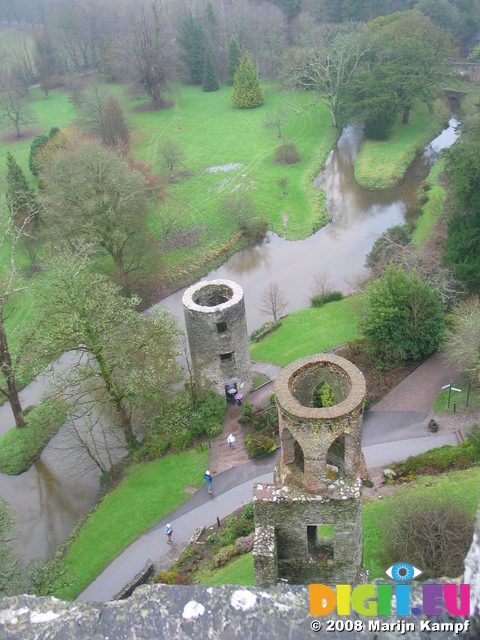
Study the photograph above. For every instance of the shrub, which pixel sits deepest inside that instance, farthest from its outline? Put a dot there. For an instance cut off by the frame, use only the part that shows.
(248, 513)
(473, 437)
(153, 446)
(403, 318)
(322, 298)
(224, 556)
(245, 544)
(434, 536)
(259, 445)
(181, 439)
(246, 412)
(273, 398)
(323, 396)
(287, 154)
(264, 421)
(171, 576)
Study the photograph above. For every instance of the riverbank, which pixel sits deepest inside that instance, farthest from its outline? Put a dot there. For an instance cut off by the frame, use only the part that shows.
(381, 164)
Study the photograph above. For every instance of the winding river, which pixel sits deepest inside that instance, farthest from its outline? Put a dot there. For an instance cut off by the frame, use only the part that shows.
(50, 497)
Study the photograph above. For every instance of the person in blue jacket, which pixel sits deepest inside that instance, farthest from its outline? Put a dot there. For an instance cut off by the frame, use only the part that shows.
(169, 533)
(208, 480)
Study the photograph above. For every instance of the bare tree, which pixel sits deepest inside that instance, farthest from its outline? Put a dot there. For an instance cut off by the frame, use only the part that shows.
(172, 154)
(169, 218)
(321, 283)
(14, 110)
(276, 120)
(273, 301)
(461, 344)
(45, 61)
(10, 364)
(282, 183)
(92, 115)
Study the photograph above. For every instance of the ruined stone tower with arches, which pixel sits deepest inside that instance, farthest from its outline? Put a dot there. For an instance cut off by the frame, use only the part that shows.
(217, 335)
(308, 524)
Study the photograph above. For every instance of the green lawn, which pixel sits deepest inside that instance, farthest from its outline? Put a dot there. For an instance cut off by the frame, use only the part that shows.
(239, 571)
(382, 163)
(147, 494)
(309, 331)
(433, 208)
(460, 485)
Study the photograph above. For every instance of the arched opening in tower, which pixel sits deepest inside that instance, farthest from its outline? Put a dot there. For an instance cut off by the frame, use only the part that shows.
(336, 458)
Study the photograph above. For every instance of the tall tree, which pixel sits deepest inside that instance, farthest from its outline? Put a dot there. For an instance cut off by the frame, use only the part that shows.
(115, 132)
(46, 62)
(92, 194)
(247, 92)
(20, 198)
(14, 110)
(210, 80)
(124, 358)
(463, 237)
(11, 287)
(146, 56)
(326, 60)
(193, 40)
(233, 60)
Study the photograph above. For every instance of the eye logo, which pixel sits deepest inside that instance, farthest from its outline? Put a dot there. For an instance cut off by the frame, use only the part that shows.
(403, 572)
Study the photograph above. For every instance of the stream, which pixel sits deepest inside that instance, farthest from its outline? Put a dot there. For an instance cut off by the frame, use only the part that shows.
(56, 491)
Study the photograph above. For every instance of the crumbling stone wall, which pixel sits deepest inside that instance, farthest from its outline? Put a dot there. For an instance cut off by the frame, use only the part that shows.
(217, 335)
(305, 495)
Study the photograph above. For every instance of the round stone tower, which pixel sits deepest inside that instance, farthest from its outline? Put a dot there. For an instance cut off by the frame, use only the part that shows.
(311, 437)
(308, 524)
(217, 334)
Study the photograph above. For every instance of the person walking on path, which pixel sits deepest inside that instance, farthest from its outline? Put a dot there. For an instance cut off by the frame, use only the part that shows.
(231, 440)
(208, 480)
(168, 533)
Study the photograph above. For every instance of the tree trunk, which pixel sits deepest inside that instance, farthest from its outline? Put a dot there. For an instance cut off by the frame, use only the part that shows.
(122, 276)
(7, 370)
(17, 128)
(406, 115)
(334, 115)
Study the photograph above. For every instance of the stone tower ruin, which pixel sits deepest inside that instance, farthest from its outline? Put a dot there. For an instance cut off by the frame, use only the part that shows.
(308, 524)
(217, 335)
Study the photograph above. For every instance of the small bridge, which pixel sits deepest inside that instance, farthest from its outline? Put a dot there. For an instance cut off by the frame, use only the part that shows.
(465, 68)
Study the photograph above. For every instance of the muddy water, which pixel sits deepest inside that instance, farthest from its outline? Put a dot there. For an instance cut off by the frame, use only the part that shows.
(358, 218)
(61, 487)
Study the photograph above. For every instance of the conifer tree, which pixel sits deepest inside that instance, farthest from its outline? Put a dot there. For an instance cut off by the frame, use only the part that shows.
(233, 60)
(247, 92)
(20, 197)
(210, 80)
(39, 141)
(192, 38)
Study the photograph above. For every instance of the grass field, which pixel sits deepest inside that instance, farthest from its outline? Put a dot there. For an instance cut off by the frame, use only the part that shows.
(147, 494)
(382, 163)
(309, 331)
(441, 401)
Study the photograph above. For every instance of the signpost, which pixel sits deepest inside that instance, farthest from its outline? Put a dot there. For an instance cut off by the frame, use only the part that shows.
(450, 389)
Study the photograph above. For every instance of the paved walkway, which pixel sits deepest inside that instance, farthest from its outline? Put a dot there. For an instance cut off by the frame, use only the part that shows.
(390, 433)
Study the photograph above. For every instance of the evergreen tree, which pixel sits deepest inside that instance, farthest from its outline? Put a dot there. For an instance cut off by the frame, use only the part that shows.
(233, 60)
(38, 143)
(210, 81)
(20, 197)
(210, 17)
(192, 38)
(247, 92)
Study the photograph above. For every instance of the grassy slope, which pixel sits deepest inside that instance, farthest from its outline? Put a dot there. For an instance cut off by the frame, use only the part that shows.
(463, 484)
(147, 494)
(240, 572)
(382, 164)
(433, 208)
(309, 331)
